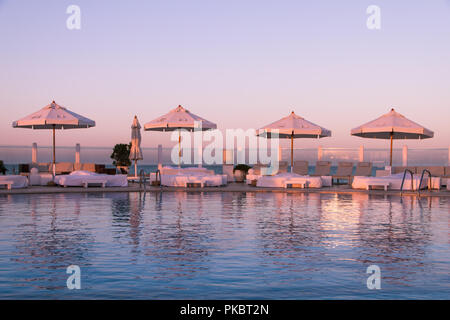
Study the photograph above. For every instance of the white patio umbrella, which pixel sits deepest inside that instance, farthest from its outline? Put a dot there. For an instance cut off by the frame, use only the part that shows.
(136, 152)
(392, 126)
(54, 117)
(293, 127)
(177, 119)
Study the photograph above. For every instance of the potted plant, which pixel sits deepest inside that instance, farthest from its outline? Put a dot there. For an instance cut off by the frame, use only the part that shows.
(240, 171)
(121, 156)
(2, 168)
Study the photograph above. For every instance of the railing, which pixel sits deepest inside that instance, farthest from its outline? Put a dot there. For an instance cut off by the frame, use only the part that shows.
(421, 179)
(403, 181)
(158, 178)
(142, 180)
(13, 155)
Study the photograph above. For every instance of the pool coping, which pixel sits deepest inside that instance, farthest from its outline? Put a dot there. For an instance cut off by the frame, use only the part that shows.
(232, 187)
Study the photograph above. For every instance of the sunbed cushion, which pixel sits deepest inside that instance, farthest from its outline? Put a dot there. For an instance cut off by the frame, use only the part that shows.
(301, 167)
(44, 167)
(322, 168)
(76, 179)
(64, 167)
(17, 181)
(344, 169)
(363, 169)
(279, 180)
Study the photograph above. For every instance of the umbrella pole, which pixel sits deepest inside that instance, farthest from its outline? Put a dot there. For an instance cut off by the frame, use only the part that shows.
(135, 168)
(392, 143)
(54, 152)
(292, 153)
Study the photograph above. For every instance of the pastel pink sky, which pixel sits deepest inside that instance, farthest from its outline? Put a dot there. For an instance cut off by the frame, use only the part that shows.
(240, 64)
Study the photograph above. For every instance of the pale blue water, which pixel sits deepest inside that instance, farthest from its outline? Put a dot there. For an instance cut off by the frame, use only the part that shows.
(223, 246)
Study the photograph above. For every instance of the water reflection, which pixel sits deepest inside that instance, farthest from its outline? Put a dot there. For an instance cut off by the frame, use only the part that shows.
(137, 206)
(127, 210)
(50, 237)
(218, 245)
(396, 235)
(178, 235)
(288, 232)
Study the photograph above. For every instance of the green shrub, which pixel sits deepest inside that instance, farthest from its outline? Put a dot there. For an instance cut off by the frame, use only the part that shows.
(2, 168)
(121, 155)
(242, 167)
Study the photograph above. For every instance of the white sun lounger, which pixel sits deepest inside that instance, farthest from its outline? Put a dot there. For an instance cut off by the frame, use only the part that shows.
(395, 182)
(14, 181)
(80, 178)
(280, 180)
(193, 180)
(189, 177)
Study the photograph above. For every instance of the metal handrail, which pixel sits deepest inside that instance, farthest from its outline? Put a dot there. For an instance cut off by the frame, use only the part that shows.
(421, 179)
(403, 181)
(158, 178)
(142, 179)
(158, 174)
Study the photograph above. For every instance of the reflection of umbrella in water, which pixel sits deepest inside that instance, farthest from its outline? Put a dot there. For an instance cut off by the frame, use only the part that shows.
(392, 126)
(137, 203)
(180, 239)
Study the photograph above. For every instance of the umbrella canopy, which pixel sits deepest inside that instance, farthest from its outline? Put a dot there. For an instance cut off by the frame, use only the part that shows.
(292, 127)
(392, 125)
(177, 119)
(136, 152)
(54, 116)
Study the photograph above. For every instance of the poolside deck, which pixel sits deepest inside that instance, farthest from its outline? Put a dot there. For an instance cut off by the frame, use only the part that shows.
(232, 187)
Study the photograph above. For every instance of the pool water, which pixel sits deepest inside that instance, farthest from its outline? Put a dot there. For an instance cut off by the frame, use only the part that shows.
(182, 245)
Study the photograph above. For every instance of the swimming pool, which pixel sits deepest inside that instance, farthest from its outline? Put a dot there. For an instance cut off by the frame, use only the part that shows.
(187, 245)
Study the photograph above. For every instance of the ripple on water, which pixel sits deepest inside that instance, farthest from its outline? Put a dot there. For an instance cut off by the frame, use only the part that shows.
(223, 245)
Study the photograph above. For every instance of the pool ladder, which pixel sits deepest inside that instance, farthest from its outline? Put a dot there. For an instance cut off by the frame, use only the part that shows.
(158, 178)
(412, 180)
(142, 180)
(421, 179)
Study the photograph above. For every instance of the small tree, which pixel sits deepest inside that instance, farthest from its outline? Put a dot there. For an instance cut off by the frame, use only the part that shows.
(242, 167)
(121, 155)
(2, 168)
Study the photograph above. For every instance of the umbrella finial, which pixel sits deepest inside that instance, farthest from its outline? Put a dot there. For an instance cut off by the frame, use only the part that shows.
(392, 109)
